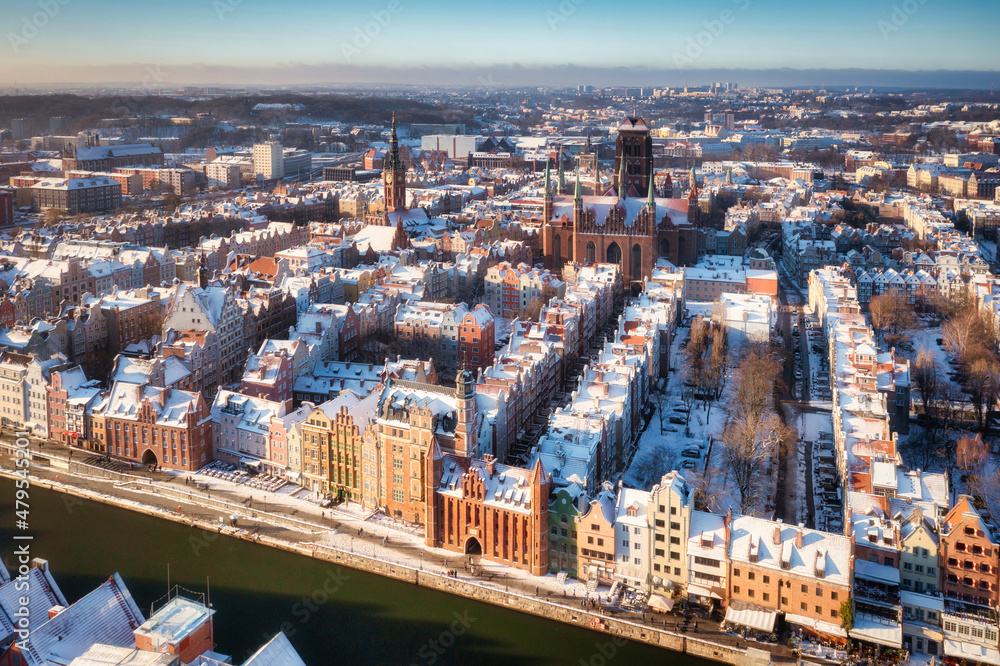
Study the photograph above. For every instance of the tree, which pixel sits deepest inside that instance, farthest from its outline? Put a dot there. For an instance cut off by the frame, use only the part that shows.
(651, 467)
(971, 453)
(689, 398)
(982, 383)
(534, 309)
(960, 331)
(925, 378)
(662, 399)
(891, 317)
(749, 445)
(847, 614)
(754, 431)
(713, 379)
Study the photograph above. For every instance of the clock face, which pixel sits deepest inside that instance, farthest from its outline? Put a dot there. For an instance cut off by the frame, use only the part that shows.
(388, 179)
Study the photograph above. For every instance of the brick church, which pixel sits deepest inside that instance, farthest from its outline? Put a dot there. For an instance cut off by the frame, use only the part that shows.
(631, 223)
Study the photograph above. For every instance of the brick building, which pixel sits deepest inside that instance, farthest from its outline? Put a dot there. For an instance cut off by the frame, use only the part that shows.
(804, 573)
(481, 508)
(630, 224)
(153, 425)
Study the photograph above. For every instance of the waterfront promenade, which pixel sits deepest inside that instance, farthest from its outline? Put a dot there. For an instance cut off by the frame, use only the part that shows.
(371, 542)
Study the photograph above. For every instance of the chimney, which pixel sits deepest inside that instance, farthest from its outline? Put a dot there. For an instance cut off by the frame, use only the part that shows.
(319, 327)
(777, 535)
(798, 537)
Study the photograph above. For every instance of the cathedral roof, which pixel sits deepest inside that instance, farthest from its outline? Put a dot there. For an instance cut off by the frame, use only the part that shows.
(633, 124)
(676, 209)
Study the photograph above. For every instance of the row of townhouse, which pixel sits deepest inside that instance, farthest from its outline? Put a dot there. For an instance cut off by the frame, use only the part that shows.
(926, 568)
(587, 441)
(511, 291)
(916, 286)
(456, 335)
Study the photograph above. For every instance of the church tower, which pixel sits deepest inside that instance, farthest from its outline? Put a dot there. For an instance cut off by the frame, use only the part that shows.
(394, 175)
(465, 431)
(547, 199)
(634, 155)
(577, 202)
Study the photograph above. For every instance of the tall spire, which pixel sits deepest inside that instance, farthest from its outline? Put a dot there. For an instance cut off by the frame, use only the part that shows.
(576, 195)
(597, 172)
(392, 159)
(548, 181)
(651, 200)
(562, 174)
(621, 179)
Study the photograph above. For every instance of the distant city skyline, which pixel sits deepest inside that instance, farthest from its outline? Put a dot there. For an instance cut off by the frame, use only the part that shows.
(564, 42)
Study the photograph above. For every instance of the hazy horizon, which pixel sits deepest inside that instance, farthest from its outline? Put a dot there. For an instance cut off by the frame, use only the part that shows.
(515, 43)
(504, 76)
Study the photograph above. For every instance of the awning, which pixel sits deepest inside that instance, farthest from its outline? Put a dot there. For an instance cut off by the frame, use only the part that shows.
(699, 591)
(873, 631)
(876, 572)
(755, 618)
(658, 603)
(971, 652)
(819, 626)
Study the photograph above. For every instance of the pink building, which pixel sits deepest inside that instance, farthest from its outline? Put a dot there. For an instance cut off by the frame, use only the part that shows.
(269, 376)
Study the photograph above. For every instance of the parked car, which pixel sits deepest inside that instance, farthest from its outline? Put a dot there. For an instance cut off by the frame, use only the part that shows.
(691, 453)
(798, 374)
(688, 464)
(680, 407)
(679, 420)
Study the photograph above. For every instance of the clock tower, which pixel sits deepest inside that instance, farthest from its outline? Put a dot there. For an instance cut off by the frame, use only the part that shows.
(394, 176)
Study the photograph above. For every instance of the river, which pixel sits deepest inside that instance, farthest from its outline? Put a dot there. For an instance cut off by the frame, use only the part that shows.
(332, 614)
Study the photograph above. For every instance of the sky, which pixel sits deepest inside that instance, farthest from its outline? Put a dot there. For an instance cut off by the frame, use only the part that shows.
(449, 41)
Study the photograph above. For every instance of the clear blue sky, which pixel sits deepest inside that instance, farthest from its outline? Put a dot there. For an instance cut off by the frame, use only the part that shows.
(760, 34)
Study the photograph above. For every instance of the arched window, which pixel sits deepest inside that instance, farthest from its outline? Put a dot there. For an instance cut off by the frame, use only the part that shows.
(591, 252)
(665, 249)
(614, 255)
(557, 251)
(680, 250)
(636, 262)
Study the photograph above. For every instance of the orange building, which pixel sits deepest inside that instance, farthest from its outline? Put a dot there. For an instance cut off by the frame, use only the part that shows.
(497, 512)
(969, 556)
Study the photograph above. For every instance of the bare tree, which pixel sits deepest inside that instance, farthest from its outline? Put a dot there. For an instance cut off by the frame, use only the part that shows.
(689, 398)
(971, 453)
(754, 430)
(891, 317)
(961, 331)
(982, 383)
(651, 467)
(925, 378)
(662, 400)
(750, 444)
